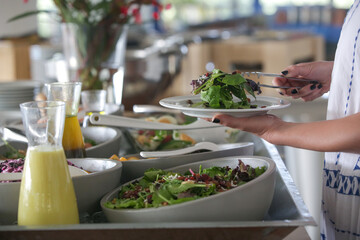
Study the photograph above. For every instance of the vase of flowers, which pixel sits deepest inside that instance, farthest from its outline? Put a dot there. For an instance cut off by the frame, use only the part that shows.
(93, 52)
(94, 37)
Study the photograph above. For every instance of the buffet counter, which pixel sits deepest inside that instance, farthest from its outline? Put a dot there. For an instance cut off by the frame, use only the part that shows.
(287, 212)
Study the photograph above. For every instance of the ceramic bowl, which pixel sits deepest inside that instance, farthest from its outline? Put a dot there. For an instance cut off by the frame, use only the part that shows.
(89, 188)
(216, 135)
(248, 202)
(107, 141)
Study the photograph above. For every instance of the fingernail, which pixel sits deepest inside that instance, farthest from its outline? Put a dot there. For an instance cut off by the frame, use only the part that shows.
(281, 93)
(312, 87)
(216, 120)
(294, 91)
(320, 86)
(284, 72)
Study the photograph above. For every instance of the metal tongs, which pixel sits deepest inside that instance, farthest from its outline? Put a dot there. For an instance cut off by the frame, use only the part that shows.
(261, 74)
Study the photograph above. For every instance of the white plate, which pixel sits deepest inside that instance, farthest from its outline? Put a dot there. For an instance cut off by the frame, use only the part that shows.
(264, 104)
(19, 86)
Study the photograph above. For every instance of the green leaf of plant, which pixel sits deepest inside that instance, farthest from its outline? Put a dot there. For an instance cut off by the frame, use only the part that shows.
(233, 79)
(152, 174)
(212, 96)
(239, 92)
(226, 97)
(249, 89)
(178, 188)
(28, 14)
(160, 196)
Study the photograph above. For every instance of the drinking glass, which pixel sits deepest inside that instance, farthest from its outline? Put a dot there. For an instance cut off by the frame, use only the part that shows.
(93, 101)
(47, 193)
(69, 92)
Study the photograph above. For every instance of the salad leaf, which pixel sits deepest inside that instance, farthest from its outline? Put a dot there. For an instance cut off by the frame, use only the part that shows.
(217, 89)
(152, 174)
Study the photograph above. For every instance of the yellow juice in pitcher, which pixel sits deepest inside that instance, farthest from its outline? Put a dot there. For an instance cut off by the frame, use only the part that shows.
(47, 193)
(73, 141)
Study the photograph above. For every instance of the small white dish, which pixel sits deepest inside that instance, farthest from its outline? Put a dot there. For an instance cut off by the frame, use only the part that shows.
(264, 104)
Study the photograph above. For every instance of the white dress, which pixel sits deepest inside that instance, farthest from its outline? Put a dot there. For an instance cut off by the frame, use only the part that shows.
(341, 175)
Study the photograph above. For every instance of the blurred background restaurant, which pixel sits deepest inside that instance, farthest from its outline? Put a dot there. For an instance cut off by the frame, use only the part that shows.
(190, 38)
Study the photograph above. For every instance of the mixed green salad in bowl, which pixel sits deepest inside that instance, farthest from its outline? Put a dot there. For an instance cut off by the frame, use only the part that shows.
(158, 140)
(161, 188)
(229, 188)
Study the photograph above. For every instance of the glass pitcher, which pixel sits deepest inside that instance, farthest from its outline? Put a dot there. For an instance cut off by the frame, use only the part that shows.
(69, 92)
(47, 193)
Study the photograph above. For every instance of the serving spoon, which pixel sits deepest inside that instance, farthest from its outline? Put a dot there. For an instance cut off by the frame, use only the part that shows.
(117, 121)
(8, 134)
(198, 146)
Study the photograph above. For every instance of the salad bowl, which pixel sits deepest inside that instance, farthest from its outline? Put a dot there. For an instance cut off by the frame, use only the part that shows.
(106, 141)
(100, 142)
(156, 139)
(104, 176)
(247, 202)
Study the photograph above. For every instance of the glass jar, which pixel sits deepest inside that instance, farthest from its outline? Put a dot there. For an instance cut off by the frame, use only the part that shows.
(47, 193)
(69, 92)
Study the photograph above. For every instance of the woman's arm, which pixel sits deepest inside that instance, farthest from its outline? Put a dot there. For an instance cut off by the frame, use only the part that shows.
(340, 135)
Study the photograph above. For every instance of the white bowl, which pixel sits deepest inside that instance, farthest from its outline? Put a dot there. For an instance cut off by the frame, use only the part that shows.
(216, 135)
(248, 202)
(107, 141)
(89, 188)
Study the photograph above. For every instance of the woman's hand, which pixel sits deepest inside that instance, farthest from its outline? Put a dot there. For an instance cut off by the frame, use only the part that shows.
(263, 126)
(319, 71)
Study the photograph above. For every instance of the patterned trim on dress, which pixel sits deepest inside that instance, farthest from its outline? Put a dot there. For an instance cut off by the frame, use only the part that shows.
(347, 185)
(352, 72)
(352, 12)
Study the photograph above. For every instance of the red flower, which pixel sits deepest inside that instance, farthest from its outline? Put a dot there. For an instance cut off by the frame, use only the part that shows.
(168, 6)
(136, 14)
(124, 10)
(156, 15)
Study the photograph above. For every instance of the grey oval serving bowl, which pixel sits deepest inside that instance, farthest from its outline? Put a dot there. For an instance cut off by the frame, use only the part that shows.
(248, 202)
(89, 188)
(107, 141)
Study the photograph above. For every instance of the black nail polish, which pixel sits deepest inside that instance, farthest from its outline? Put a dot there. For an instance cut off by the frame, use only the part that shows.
(284, 72)
(312, 87)
(294, 91)
(281, 93)
(319, 86)
(216, 120)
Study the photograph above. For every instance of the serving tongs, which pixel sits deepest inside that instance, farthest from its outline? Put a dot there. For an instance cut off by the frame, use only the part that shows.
(261, 74)
(118, 121)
